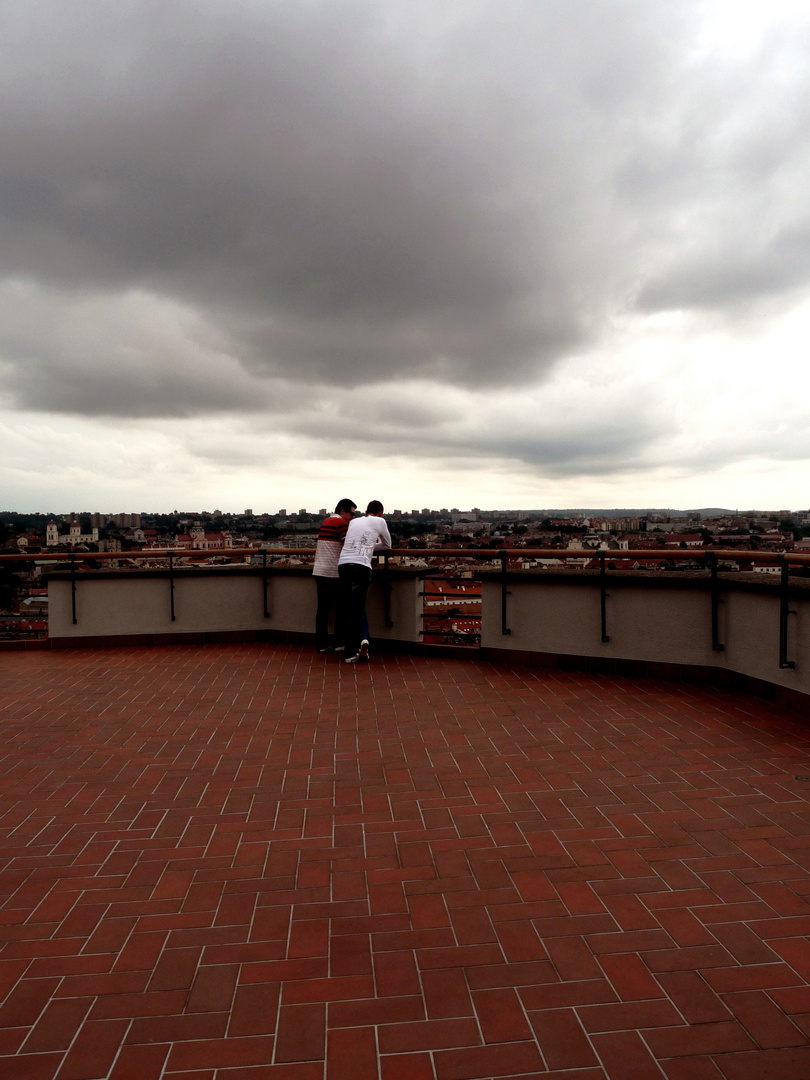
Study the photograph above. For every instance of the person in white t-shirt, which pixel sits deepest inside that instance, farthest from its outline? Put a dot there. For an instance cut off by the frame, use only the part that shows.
(364, 538)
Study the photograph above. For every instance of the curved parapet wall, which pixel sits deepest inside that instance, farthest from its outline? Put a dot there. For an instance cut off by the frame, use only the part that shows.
(682, 624)
(739, 624)
(240, 601)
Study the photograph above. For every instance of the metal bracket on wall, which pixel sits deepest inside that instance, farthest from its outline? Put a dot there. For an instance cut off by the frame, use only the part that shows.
(73, 585)
(504, 593)
(264, 584)
(171, 582)
(387, 587)
(784, 610)
(716, 602)
(603, 596)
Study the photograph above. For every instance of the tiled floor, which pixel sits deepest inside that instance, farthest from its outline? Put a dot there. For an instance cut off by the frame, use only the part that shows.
(253, 861)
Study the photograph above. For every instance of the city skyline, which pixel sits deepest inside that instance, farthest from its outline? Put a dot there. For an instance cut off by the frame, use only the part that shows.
(515, 255)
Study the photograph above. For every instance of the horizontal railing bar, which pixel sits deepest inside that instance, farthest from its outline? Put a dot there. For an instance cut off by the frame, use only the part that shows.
(492, 554)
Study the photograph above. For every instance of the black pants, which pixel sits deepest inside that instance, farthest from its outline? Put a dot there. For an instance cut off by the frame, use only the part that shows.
(329, 600)
(355, 579)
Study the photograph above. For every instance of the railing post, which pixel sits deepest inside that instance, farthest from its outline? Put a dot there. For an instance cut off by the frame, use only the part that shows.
(73, 585)
(264, 583)
(784, 612)
(504, 593)
(716, 602)
(603, 595)
(387, 592)
(171, 582)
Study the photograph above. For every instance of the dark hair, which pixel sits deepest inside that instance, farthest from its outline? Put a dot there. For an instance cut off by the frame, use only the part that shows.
(374, 507)
(345, 504)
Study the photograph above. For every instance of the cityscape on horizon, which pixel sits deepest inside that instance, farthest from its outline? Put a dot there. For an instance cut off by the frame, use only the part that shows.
(431, 542)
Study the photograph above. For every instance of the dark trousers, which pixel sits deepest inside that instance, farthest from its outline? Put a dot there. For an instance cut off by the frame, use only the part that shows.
(329, 600)
(354, 582)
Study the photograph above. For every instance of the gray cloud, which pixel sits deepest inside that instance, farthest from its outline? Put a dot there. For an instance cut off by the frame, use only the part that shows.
(348, 193)
(260, 207)
(741, 269)
(130, 355)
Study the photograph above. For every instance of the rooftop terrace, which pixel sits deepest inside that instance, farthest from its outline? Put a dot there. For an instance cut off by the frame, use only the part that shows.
(234, 862)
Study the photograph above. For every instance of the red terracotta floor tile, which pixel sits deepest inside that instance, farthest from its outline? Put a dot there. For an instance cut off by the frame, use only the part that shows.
(406, 1067)
(500, 1015)
(57, 1026)
(94, 1050)
(301, 1033)
(243, 860)
(498, 1060)
(562, 1039)
(140, 1063)
(352, 1052)
(33, 1066)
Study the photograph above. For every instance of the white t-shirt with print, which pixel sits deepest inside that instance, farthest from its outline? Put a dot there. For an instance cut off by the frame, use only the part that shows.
(364, 537)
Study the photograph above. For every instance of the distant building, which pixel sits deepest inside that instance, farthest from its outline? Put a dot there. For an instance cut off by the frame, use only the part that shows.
(688, 540)
(28, 539)
(197, 539)
(73, 537)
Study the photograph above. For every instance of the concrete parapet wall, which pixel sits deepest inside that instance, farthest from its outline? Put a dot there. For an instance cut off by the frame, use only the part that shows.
(665, 619)
(139, 604)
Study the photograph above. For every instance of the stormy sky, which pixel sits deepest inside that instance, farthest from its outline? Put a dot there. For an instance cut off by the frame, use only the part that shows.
(504, 253)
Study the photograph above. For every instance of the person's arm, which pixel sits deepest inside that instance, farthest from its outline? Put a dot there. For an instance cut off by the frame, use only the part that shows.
(384, 541)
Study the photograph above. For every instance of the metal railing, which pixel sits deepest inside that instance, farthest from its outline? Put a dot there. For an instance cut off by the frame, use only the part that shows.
(174, 558)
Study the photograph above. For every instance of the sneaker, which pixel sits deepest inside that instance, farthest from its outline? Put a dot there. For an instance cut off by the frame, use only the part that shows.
(340, 648)
(361, 657)
(327, 649)
(364, 645)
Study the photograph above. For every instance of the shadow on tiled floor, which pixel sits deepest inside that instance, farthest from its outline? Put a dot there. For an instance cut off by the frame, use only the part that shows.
(246, 862)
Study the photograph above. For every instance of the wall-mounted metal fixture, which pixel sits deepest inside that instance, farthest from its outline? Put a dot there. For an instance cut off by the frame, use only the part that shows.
(73, 585)
(716, 602)
(171, 582)
(504, 593)
(603, 596)
(264, 584)
(784, 611)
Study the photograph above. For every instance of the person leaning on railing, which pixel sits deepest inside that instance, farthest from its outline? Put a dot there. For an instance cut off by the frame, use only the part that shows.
(365, 536)
(327, 551)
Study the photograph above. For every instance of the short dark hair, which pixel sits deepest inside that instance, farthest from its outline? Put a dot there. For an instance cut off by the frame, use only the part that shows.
(346, 504)
(374, 507)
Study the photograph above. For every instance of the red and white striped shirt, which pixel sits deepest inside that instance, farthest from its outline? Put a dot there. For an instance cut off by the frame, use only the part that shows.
(330, 541)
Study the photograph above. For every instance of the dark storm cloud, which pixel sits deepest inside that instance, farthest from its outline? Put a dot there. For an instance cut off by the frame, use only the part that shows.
(122, 356)
(368, 191)
(347, 191)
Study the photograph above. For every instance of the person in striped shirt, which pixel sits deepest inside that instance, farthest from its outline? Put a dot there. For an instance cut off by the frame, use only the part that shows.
(327, 552)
